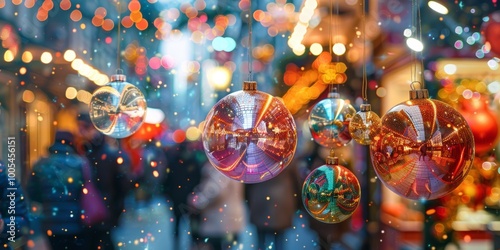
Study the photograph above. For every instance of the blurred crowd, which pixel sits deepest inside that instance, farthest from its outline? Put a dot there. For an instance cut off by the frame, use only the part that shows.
(140, 168)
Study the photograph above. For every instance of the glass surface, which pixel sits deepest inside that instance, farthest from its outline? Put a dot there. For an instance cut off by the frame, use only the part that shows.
(117, 109)
(250, 136)
(329, 122)
(424, 150)
(331, 193)
(364, 126)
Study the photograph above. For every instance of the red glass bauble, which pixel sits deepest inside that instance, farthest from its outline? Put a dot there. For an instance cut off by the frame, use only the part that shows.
(424, 150)
(482, 121)
(491, 32)
(249, 135)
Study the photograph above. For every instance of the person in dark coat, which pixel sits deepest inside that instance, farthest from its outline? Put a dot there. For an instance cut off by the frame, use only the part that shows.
(109, 174)
(56, 184)
(272, 205)
(185, 162)
(13, 209)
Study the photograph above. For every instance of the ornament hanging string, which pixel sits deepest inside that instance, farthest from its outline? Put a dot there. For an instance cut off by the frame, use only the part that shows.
(364, 84)
(330, 34)
(119, 70)
(413, 53)
(118, 61)
(249, 54)
(416, 20)
(419, 33)
(336, 35)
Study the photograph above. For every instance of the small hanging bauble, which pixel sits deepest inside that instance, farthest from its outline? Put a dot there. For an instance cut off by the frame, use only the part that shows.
(365, 125)
(249, 135)
(329, 121)
(117, 109)
(425, 148)
(331, 193)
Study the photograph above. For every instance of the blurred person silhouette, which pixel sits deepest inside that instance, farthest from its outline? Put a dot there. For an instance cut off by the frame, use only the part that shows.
(148, 161)
(13, 209)
(109, 174)
(56, 185)
(272, 205)
(219, 202)
(184, 164)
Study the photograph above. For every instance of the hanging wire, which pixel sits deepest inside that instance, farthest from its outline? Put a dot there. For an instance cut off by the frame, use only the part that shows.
(419, 23)
(330, 30)
(336, 35)
(118, 61)
(249, 54)
(330, 35)
(364, 86)
(416, 25)
(413, 55)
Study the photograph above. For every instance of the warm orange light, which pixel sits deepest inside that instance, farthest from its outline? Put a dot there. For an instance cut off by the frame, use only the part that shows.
(47, 5)
(136, 16)
(179, 136)
(134, 6)
(127, 22)
(65, 5)
(142, 25)
(76, 15)
(108, 24)
(42, 15)
(100, 12)
(27, 57)
(97, 21)
(29, 4)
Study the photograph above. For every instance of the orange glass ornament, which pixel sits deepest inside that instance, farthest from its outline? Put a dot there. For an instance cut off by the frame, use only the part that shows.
(425, 148)
(365, 125)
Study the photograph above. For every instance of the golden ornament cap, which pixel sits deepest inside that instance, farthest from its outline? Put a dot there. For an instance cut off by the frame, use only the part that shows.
(419, 94)
(118, 78)
(250, 85)
(334, 95)
(332, 159)
(365, 107)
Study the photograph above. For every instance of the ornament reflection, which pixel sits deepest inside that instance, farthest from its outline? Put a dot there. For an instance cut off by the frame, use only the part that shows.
(424, 150)
(329, 121)
(249, 135)
(331, 193)
(118, 109)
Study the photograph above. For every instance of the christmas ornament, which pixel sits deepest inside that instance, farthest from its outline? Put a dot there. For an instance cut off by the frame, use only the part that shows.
(425, 148)
(329, 121)
(482, 122)
(365, 125)
(491, 32)
(249, 135)
(331, 193)
(117, 109)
